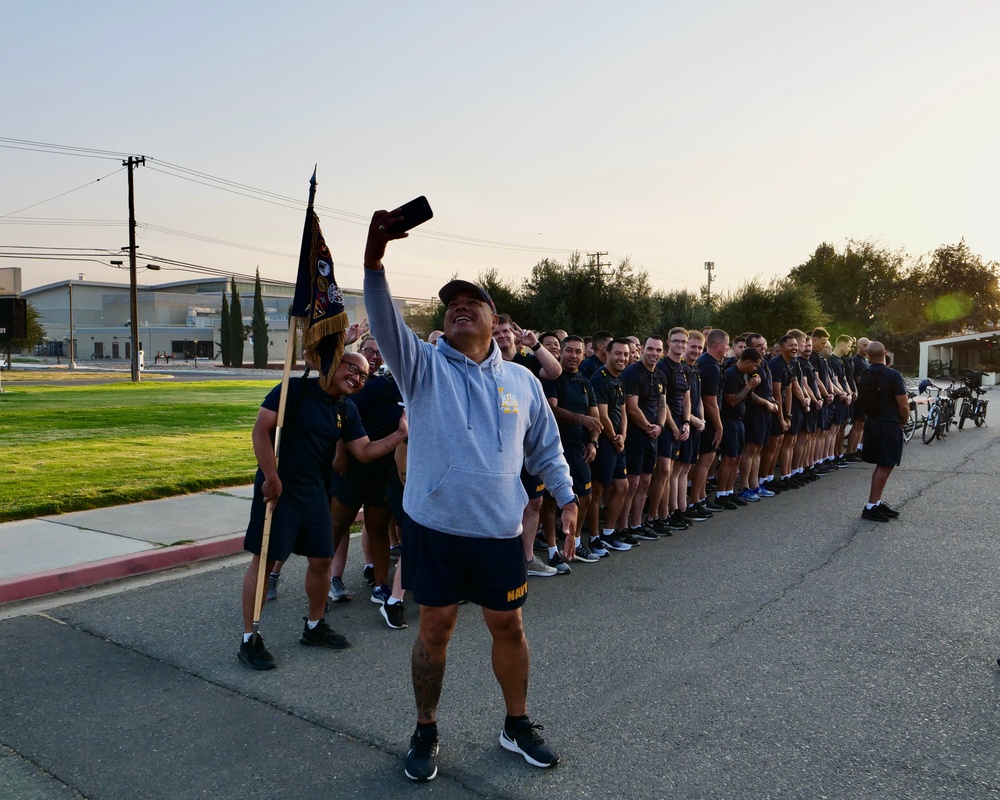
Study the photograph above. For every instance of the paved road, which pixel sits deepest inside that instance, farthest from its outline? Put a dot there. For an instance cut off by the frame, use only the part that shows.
(787, 650)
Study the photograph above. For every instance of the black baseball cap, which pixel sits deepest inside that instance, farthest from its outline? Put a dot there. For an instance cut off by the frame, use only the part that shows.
(452, 287)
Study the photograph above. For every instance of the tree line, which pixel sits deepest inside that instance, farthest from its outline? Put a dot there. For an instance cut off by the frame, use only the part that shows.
(233, 333)
(861, 288)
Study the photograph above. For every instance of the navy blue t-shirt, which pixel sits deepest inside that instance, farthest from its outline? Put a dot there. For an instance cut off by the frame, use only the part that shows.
(677, 385)
(711, 377)
(732, 383)
(378, 404)
(589, 366)
(314, 423)
(889, 384)
(608, 391)
(646, 386)
(572, 392)
(529, 360)
(765, 388)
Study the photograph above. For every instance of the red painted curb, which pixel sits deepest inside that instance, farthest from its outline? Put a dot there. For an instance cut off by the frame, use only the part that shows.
(61, 580)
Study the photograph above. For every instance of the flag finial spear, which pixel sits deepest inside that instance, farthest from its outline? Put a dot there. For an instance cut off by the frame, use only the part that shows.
(312, 186)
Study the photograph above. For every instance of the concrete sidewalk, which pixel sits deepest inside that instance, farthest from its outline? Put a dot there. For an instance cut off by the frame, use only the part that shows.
(67, 551)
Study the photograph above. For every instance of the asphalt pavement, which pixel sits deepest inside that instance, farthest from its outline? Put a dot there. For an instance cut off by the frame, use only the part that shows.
(785, 650)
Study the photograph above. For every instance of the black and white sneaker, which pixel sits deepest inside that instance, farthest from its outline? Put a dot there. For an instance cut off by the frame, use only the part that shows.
(523, 738)
(698, 514)
(678, 522)
(584, 554)
(255, 655)
(646, 532)
(394, 615)
(323, 636)
(614, 542)
(627, 535)
(558, 563)
(421, 760)
(369, 574)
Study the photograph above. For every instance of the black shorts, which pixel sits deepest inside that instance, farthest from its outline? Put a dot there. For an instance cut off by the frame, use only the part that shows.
(667, 446)
(757, 425)
(825, 417)
(795, 423)
(533, 485)
(691, 449)
(839, 414)
(300, 524)
(857, 415)
(579, 470)
(810, 420)
(707, 436)
(640, 454)
(733, 438)
(883, 443)
(364, 484)
(609, 465)
(442, 569)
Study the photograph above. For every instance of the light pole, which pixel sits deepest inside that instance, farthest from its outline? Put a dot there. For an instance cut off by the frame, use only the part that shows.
(72, 349)
(196, 354)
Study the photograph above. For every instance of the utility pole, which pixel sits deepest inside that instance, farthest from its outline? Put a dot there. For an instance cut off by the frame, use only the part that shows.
(595, 260)
(709, 266)
(132, 163)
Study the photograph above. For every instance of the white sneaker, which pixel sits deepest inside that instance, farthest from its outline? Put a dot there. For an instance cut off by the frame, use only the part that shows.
(537, 567)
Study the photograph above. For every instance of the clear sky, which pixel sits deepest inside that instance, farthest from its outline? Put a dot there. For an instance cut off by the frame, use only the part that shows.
(743, 133)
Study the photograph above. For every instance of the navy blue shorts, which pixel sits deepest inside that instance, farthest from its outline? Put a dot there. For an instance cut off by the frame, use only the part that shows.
(364, 484)
(810, 420)
(825, 417)
(533, 485)
(839, 414)
(795, 423)
(640, 454)
(856, 412)
(579, 469)
(300, 524)
(757, 425)
(442, 569)
(883, 443)
(667, 446)
(609, 465)
(691, 449)
(705, 444)
(733, 438)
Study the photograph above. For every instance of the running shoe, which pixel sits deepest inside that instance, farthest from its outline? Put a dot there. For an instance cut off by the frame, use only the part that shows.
(323, 636)
(255, 655)
(338, 592)
(558, 563)
(272, 586)
(523, 738)
(381, 594)
(539, 568)
(750, 496)
(394, 615)
(614, 542)
(891, 513)
(586, 555)
(421, 760)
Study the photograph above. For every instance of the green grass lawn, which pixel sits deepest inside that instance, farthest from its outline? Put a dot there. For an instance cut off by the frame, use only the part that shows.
(68, 448)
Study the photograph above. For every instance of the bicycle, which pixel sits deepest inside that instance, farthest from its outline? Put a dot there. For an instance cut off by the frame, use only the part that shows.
(973, 404)
(940, 413)
(913, 421)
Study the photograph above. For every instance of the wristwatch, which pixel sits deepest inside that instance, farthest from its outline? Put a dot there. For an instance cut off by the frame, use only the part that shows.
(535, 346)
(574, 501)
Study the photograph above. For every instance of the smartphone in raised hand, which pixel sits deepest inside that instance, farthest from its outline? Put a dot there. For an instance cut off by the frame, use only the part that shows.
(414, 213)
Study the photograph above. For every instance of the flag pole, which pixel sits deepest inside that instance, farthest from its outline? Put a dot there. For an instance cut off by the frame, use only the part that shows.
(282, 398)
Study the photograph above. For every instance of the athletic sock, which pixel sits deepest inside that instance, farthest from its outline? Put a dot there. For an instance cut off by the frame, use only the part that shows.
(553, 551)
(393, 601)
(577, 541)
(607, 532)
(246, 637)
(870, 506)
(311, 624)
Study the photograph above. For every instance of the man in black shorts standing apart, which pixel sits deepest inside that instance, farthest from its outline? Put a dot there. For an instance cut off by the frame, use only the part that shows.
(476, 420)
(887, 407)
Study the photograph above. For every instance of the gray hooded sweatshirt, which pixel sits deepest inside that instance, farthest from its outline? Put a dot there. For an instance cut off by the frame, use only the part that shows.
(472, 427)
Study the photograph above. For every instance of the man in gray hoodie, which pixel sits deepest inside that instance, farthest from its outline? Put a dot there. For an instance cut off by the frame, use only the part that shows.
(475, 420)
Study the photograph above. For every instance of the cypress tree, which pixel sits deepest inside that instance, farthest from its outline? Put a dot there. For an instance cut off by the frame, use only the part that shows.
(225, 334)
(235, 327)
(259, 326)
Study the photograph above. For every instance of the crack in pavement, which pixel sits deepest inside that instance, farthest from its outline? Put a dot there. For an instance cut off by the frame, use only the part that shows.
(28, 760)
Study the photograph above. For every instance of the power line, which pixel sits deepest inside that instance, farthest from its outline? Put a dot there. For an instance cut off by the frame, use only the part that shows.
(62, 149)
(63, 194)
